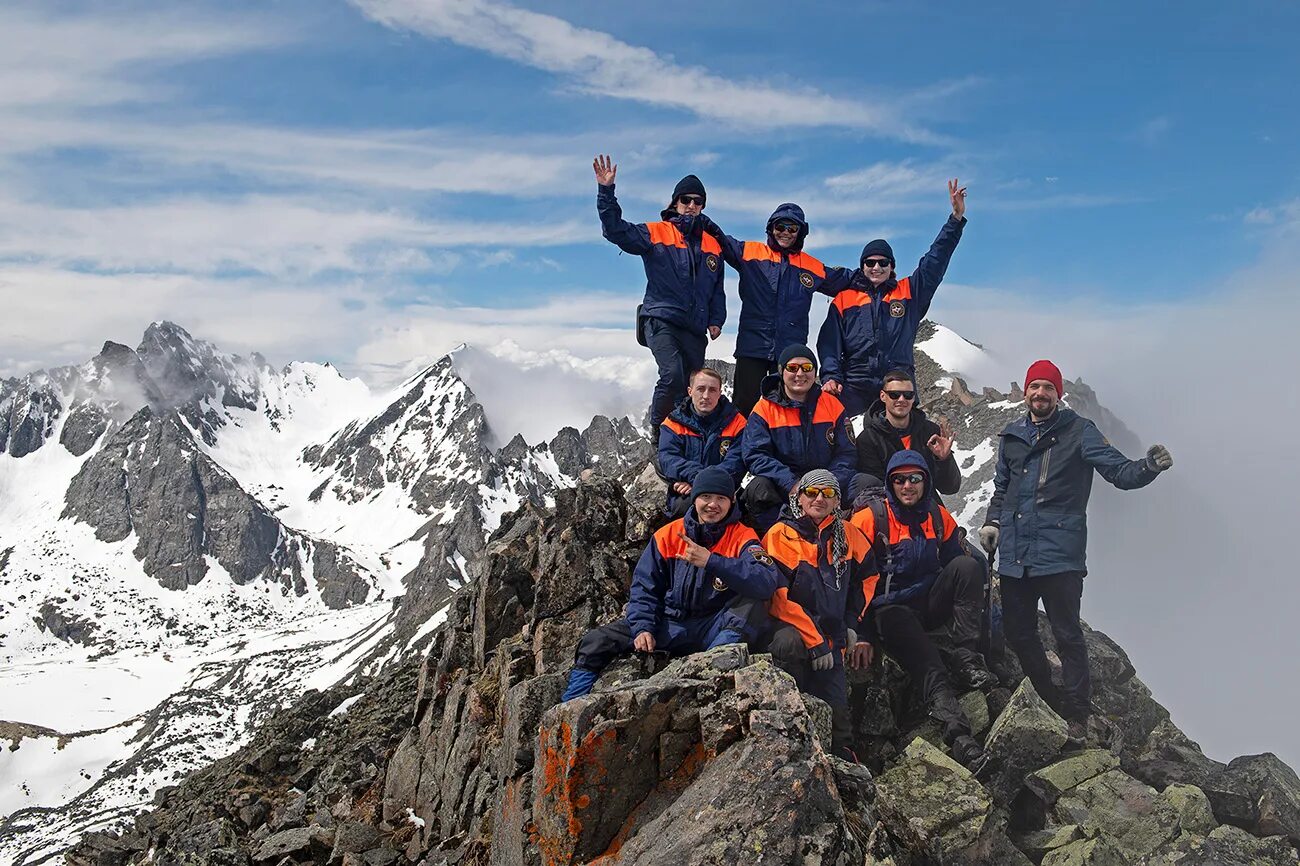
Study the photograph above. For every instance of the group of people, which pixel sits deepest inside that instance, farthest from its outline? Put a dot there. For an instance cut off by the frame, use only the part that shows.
(839, 546)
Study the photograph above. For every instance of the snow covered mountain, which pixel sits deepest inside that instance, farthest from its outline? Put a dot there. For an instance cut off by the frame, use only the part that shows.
(190, 540)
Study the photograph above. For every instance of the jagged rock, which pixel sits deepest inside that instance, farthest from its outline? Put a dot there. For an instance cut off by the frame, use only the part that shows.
(940, 813)
(1049, 783)
(1026, 736)
(1037, 843)
(306, 841)
(1135, 817)
(1226, 846)
(1192, 807)
(1087, 852)
(66, 626)
(1169, 756)
(1271, 791)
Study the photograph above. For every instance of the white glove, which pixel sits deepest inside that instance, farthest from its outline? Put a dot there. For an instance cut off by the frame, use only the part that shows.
(989, 538)
(824, 662)
(851, 638)
(1159, 458)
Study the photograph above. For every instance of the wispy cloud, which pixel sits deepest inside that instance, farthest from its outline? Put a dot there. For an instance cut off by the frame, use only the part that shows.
(593, 62)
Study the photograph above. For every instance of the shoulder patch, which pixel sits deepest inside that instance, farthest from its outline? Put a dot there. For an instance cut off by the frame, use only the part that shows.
(761, 556)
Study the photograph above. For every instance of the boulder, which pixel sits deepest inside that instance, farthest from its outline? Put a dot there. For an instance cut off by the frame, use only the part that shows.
(937, 810)
(1226, 846)
(1026, 736)
(1087, 852)
(1192, 807)
(1169, 756)
(1271, 789)
(1135, 817)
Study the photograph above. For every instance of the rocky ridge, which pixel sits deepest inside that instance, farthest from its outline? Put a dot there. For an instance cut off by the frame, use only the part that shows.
(715, 758)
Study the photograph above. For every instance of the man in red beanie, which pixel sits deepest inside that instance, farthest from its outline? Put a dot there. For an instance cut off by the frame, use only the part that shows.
(1037, 525)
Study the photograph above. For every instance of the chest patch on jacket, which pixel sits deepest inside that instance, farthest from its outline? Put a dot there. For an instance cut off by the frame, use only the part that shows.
(711, 262)
(897, 309)
(830, 435)
(718, 585)
(806, 279)
(723, 447)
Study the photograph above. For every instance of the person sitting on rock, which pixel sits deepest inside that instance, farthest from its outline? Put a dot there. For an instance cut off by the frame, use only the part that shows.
(1037, 527)
(700, 583)
(871, 326)
(704, 430)
(896, 424)
(794, 428)
(827, 573)
(927, 581)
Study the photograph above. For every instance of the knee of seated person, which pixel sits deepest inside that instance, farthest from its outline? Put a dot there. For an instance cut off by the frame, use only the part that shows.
(786, 644)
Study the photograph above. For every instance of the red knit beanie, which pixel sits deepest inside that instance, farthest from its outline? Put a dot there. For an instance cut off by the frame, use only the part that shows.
(1045, 370)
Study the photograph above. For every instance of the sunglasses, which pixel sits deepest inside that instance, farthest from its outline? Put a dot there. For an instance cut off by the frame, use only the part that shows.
(901, 395)
(910, 478)
(825, 492)
(876, 263)
(805, 367)
(785, 227)
(691, 199)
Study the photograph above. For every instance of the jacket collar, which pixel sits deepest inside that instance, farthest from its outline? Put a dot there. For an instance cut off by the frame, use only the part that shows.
(686, 415)
(774, 392)
(708, 534)
(1022, 427)
(862, 284)
(881, 423)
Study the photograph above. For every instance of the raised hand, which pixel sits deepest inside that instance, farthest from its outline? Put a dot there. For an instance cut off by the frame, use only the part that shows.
(693, 553)
(605, 170)
(940, 444)
(1159, 458)
(644, 642)
(958, 196)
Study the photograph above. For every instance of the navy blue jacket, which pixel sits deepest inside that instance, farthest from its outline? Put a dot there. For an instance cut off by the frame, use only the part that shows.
(870, 330)
(689, 443)
(683, 266)
(1041, 489)
(665, 586)
(785, 439)
(917, 548)
(776, 288)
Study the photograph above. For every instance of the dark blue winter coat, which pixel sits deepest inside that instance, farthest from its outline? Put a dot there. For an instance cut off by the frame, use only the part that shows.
(871, 330)
(785, 439)
(776, 288)
(1041, 489)
(689, 443)
(683, 266)
(664, 586)
(917, 548)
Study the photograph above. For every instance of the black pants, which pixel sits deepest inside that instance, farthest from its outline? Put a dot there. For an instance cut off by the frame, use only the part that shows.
(1061, 595)
(747, 381)
(956, 598)
(678, 353)
(791, 656)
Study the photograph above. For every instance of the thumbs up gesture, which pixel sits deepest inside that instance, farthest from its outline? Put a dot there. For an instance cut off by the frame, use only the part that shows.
(693, 553)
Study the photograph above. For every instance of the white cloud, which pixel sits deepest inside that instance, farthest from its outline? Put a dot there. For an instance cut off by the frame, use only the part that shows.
(597, 63)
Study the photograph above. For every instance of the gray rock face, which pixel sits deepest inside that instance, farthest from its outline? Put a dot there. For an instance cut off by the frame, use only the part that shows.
(1132, 815)
(1027, 736)
(65, 626)
(1271, 792)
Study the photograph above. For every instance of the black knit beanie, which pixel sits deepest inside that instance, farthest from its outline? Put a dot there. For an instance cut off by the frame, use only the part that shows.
(878, 247)
(796, 351)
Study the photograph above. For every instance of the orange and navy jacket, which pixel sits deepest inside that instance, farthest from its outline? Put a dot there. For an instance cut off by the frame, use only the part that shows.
(870, 330)
(809, 595)
(776, 288)
(689, 443)
(665, 586)
(785, 439)
(917, 549)
(683, 266)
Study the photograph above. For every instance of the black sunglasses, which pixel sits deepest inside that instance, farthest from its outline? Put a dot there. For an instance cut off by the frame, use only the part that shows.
(785, 227)
(901, 395)
(876, 263)
(691, 199)
(910, 478)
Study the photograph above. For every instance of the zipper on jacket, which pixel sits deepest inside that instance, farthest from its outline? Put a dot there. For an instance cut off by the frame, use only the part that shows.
(1042, 471)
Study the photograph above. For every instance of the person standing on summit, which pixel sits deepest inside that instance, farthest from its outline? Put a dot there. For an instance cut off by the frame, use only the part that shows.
(777, 281)
(871, 326)
(684, 300)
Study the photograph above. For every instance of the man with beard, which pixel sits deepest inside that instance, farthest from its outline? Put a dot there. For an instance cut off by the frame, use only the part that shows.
(794, 428)
(704, 430)
(777, 282)
(927, 582)
(871, 326)
(1037, 525)
(827, 573)
(683, 295)
(896, 424)
(696, 586)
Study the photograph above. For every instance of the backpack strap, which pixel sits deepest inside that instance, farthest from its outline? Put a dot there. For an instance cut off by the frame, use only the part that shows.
(880, 539)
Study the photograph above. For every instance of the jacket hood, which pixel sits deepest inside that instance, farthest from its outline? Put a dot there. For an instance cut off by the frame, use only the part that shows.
(789, 211)
(687, 225)
(908, 457)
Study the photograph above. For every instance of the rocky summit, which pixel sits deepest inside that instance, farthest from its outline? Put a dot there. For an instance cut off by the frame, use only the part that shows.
(465, 755)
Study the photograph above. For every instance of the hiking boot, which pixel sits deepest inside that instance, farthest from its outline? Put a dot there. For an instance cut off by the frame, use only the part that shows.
(967, 751)
(973, 676)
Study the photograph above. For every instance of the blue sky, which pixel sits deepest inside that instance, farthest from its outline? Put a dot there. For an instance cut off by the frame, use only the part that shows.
(372, 182)
(374, 175)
